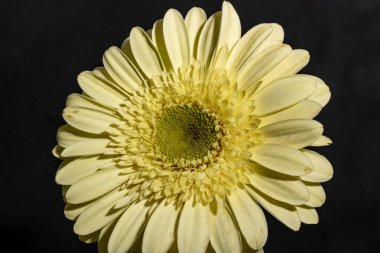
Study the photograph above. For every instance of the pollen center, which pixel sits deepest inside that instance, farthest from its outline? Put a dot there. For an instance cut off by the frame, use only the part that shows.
(186, 132)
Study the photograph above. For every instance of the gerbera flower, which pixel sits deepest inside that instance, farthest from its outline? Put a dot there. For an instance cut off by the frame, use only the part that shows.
(187, 132)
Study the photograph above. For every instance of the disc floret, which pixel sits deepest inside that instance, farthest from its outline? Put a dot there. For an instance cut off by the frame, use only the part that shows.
(188, 135)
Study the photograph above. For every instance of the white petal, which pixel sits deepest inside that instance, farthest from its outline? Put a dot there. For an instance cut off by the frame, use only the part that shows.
(308, 215)
(208, 39)
(322, 168)
(285, 213)
(160, 230)
(282, 159)
(322, 141)
(101, 89)
(283, 93)
(296, 133)
(317, 195)
(86, 147)
(95, 185)
(72, 171)
(98, 214)
(305, 109)
(176, 39)
(89, 120)
(262, 64)
(224, 237)
(145, 52)
(122, 70)
(230, 30)
(250, 218)
(288, 190)
(128, 227)
(193, 228)
(194, 20)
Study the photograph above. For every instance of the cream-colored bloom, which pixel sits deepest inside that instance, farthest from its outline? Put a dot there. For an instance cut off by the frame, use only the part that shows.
(187, 132)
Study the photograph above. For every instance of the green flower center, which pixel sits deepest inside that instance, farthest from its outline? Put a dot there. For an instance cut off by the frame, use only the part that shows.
(186, 132)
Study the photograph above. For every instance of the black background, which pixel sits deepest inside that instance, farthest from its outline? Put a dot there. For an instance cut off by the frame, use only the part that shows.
(46, 43)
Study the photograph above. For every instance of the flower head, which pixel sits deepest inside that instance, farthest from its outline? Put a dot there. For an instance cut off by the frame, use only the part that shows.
(187, 132)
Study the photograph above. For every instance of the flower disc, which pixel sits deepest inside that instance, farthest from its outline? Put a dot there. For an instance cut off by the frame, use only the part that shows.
(186, 132)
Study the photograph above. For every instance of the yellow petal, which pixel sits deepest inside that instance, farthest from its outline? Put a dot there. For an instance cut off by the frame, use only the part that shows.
(127, 50)
(305, 109)
(99, 214)
(275, 38)
(322, 141)
(194, 21)
(101, 73)
(250, 218)
(101, 89)
(307, 214)
(224, 237)
(68, 135)
(86, 148)
(282, 159)
(145, 53)
(246, 48)
(220, 58)
(322, 94)
(208, 39)
(296, 133)
(283, 212)
(262, 64)
(57, 150)
(193, 228)
(159, 42)
(286, 190)
(91, 238)
(176, 39)
(72, 211)
(322, 168)
(283, 93)
(159, 232)
(89, 120)
(122, 70)
(256, 40)
(230, 30)
(290, 65)
(105, 234)
(317, 195)
(72, 171)
(95, 185)
(128, 227)
(82, 100)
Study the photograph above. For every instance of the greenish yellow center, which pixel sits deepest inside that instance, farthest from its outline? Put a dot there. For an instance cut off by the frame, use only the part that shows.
(186, 132)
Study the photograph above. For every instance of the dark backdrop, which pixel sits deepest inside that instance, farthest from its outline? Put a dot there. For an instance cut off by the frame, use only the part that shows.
(46, 43)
